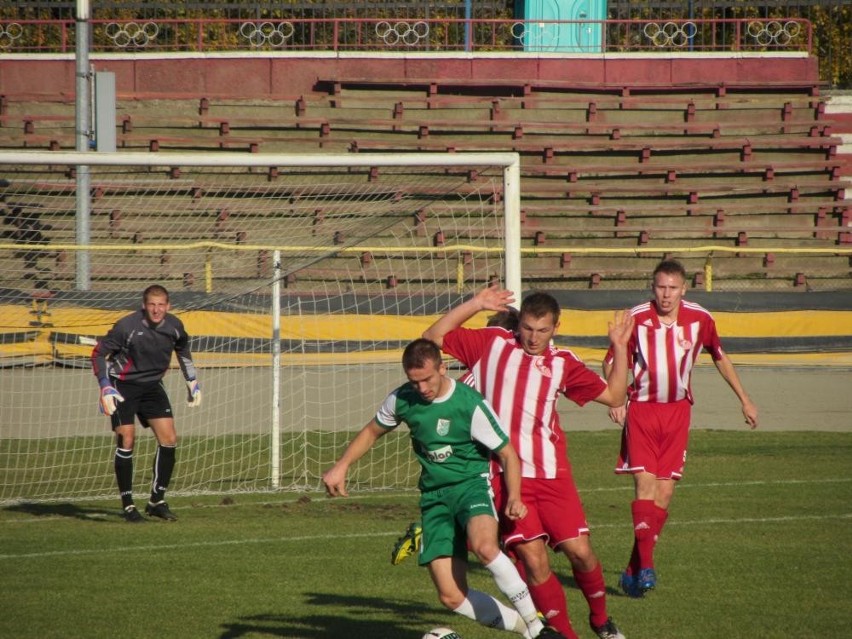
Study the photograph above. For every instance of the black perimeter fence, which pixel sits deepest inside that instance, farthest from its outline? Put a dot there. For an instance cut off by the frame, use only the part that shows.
(832, 20)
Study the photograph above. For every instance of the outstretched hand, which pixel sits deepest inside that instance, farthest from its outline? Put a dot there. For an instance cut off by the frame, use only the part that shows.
(109, 400)
(750, 414)
(335, 482)
(621, 328)
(193, 393)
(494, 298)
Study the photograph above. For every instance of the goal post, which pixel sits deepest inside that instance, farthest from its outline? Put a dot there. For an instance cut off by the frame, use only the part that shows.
(300, 278)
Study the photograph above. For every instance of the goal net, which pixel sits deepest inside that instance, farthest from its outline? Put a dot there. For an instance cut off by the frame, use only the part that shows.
(300, 279)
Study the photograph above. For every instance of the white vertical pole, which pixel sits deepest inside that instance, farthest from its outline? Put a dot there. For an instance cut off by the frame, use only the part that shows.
(275, 437)
(512, 229)
(83, 180)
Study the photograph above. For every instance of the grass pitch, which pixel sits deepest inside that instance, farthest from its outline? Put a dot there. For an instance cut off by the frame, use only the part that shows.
(758, 544)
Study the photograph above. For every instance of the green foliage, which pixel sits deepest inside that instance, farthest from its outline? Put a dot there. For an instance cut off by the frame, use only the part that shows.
(757, 544)
(833, 43)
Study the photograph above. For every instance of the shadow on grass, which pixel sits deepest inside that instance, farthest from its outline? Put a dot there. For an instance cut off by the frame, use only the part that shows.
(64, 509)
(357, 619)
(561, 568)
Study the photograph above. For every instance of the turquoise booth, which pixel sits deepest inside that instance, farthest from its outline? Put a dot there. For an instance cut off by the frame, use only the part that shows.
(582, 35)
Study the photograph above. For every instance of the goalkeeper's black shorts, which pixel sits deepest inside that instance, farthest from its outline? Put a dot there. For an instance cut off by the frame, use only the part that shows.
(145, 401)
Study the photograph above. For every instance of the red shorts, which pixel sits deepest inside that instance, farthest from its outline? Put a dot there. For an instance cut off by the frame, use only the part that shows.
(654, 439)
(554, 511)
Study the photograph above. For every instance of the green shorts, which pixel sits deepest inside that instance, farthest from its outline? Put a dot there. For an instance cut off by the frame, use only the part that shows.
(445, 514)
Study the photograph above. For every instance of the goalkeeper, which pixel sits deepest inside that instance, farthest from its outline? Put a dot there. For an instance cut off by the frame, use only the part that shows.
(453, 432)
(129, 363)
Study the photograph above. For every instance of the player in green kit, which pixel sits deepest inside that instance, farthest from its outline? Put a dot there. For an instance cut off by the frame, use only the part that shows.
(454, 432)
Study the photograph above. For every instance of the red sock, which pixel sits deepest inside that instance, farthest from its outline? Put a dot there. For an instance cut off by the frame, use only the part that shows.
(644, 530)
(633, 565)
(660, 517)
(594, 590)
(549, 600)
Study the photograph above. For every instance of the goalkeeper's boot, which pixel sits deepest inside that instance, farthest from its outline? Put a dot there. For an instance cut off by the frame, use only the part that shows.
(133, 516)
(646, 580)
(630, 585)
(161, 510)
(408, 544)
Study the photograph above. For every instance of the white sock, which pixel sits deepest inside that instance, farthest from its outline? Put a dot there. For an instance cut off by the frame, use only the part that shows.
(510, 584)
(485, 609)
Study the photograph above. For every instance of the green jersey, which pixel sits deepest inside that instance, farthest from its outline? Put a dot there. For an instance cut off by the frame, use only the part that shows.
(452, 436)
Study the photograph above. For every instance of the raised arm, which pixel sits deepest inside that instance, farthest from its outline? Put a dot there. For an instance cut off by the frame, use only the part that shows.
(620, 330)
(726, 368)
(335, 477)
(492, 298)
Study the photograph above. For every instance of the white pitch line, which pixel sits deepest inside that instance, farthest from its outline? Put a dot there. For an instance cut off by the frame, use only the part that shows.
(744, 520)
(414, 494)
(626, 486)
(199, 544)
(683, 484)
(267, 540)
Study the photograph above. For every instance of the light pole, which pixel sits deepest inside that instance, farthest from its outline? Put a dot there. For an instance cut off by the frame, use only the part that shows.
(83, 122)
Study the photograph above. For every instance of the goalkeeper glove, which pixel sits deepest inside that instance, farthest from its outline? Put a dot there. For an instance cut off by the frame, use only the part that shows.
(193, 394)
(109, 400)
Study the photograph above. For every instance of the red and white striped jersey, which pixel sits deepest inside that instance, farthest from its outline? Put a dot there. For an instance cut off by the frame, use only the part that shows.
(662, 356)
(467, 379)
(523, 389)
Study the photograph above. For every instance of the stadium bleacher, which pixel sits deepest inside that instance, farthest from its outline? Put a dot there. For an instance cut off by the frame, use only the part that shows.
(650, 166)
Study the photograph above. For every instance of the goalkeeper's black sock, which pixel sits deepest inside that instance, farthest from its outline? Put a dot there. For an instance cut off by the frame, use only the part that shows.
(124, 475)
(164, 464)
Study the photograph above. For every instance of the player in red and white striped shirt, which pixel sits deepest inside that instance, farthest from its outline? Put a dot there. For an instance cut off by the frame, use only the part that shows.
(522, 374)
(668, 336)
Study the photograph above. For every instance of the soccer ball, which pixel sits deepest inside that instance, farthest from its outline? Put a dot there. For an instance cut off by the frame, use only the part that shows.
(442, 633)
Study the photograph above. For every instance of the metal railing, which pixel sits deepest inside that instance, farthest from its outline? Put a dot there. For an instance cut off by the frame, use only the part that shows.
(412, 35)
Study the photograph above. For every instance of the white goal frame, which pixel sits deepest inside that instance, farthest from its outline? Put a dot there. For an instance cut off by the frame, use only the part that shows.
(510, 162)
(510, 204)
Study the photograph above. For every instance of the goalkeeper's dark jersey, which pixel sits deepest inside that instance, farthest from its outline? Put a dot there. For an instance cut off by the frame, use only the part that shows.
(452, 436)
(133, 351)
